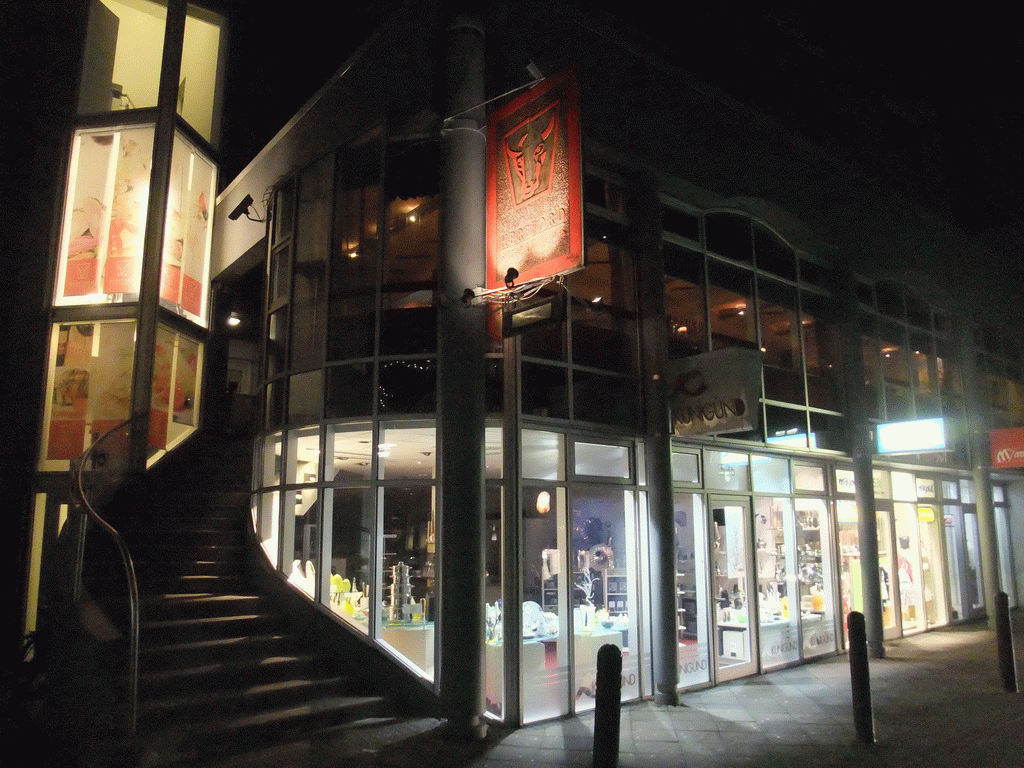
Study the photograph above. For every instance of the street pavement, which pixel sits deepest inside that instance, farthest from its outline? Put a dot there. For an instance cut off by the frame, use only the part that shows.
(937, 701)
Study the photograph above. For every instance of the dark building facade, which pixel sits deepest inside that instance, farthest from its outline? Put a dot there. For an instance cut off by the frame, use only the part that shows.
(490, 508)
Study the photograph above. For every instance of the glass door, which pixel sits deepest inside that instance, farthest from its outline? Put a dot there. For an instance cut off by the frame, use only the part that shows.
(909, 568)
(732, 581)
(932, 581)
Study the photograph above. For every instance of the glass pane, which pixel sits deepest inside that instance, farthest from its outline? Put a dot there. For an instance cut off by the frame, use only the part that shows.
(684, 301)
(603, 399)
(272, 460)
(408, 322)
(543, 662)
(407, 453)
(352, 513)
(770, 475)
(356, 214)
(270, 515)
(90, 377)
(886, 570)
(494, 625)
(123, 51)
(602, 304)
(904, 486)
(351, 454)
(731, 553)
(305, 397)
(176, 387)
(597, 460)
(351, 326)
(807, 477)
(407, 577)
(199, 90)
(729, 235)
(304, 455)
(975, 586)
(604, 596)
(732, 315)
(185, 264)
(309, 281)
(162, 383)
(691, 589)
(780, 342)
(850, 585)
(407, 386)
(726, 471)
(932, 569)
(1003, 541)
(105, 216)
(685, 468)
(302, 538)
(821, 353)
(349, 390)
(779, 601)
(772, 254)
(493, 453)
(412, 245)
(909, 568)
(544, 391)
(543, 455)
(814, 563)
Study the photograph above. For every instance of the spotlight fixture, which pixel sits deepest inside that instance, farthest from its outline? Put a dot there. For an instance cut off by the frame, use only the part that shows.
(510, 277)
(234, 319)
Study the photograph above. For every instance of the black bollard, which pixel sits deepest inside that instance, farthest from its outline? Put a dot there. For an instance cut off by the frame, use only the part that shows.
(606, 707)
(860, 680)
(1004, 640)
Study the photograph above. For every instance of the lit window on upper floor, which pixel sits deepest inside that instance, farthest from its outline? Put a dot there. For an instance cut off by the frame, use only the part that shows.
(124, 53)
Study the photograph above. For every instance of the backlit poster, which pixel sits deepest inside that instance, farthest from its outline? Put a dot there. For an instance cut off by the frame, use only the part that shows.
(534, 195)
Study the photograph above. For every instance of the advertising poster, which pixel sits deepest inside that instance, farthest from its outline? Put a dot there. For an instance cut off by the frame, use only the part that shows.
(1007, 448)
(534, 187)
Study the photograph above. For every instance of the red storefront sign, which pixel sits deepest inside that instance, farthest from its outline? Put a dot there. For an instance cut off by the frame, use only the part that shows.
(534, 184)
(1007, 447)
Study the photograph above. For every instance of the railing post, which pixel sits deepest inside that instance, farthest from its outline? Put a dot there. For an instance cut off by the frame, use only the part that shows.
(606, 708)
(860, 680)
(1004, 641)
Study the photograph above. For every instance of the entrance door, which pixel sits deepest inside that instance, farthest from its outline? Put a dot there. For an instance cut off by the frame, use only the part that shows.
(732, 580)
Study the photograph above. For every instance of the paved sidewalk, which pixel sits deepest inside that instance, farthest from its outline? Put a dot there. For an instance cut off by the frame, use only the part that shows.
(937, 702)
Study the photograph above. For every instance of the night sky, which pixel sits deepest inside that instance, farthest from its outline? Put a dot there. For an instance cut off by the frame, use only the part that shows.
(931, 107)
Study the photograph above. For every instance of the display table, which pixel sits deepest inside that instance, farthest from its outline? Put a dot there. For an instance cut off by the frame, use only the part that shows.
(414, 641)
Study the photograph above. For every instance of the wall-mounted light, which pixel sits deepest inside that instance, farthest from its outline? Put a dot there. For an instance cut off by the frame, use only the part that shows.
(543, 502)
(234, 320)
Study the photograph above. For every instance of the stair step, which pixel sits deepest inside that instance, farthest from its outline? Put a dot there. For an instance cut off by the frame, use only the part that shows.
(170, 605)
(189, 707)
(233, 674)
(156, 658)
(166, 631)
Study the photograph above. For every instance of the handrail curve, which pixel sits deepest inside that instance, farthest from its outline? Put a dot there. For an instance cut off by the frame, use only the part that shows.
(80, 501)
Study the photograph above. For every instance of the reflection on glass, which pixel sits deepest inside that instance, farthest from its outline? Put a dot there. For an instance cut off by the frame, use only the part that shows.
(731, 551)
(780, 342)
(975, 586)
(779, 602)
(304, 455)
(932, 577)
(727, 471)
(691, 589)
(412, 245)
(89, 384)
(352, 512)
(684, 301)
(494, 624)
(543, 658)
(302, 538)
(909, 566)
(543, 455)
(124, 49)
(604, 597)
(953, 523)
(271, 460)
(886, 570)
(732, 307)
(408, 576)
(814, 575)
(105, 216)
(268, 527)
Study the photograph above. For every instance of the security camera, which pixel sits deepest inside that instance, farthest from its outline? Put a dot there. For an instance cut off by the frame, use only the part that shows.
(242, 207)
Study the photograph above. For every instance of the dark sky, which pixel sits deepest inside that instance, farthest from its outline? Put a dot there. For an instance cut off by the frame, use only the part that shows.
(932, 107)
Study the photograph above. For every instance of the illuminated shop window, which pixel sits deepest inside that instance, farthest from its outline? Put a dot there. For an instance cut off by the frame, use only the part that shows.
(124, 49)
(89, 385)
(104, 219)
(177, 368)
(185, 267)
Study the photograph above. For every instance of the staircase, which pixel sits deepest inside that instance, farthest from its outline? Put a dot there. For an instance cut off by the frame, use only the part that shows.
(225, 678)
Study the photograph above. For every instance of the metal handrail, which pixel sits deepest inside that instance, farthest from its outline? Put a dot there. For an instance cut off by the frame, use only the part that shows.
(80, 502)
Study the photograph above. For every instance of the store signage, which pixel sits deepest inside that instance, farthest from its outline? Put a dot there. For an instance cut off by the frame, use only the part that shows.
(534, 184)
(926, 514)
(920, 436)
(925, 488)
(1007, 447)
(716, 392)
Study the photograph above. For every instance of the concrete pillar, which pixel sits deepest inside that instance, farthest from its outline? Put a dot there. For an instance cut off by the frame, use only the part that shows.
(862, 449)
(149, 292)
(658, 428)
(461, 379)
(978, 447)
